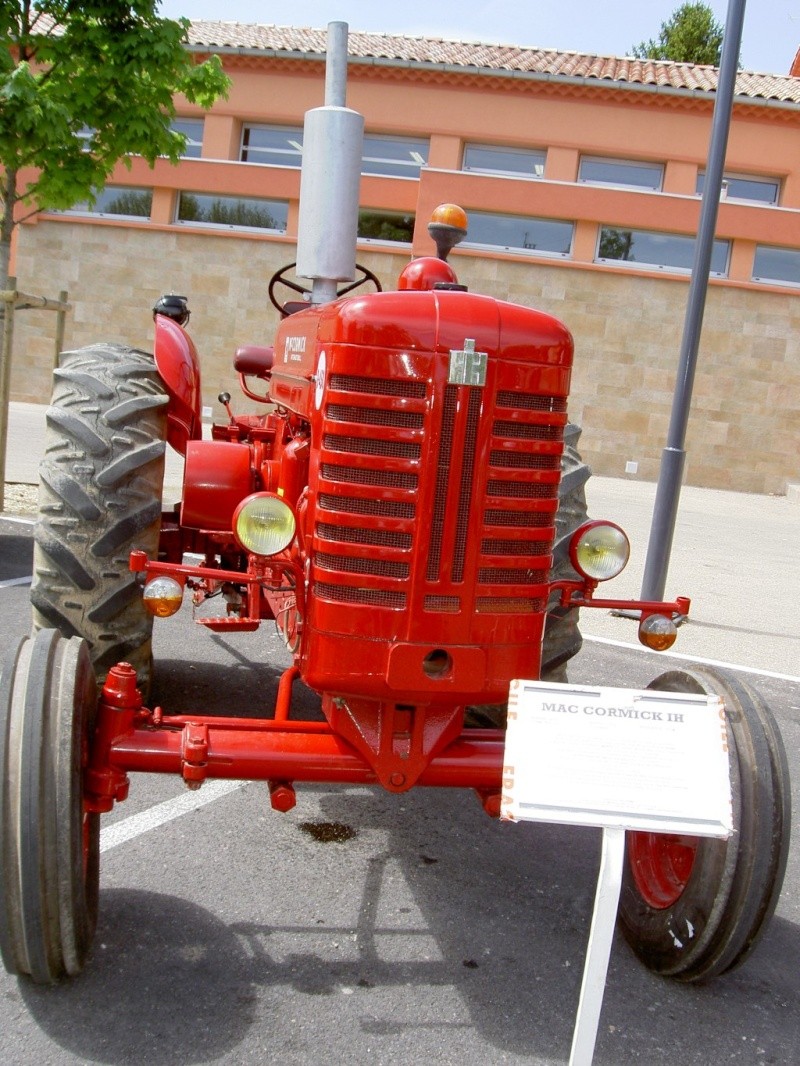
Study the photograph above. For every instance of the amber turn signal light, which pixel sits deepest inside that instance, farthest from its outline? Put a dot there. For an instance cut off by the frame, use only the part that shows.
(657, 632)
(162, 596)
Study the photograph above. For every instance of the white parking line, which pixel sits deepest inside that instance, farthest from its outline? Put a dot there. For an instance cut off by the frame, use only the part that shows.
(695, 659)
(130, 828)
(15, 581)
(19, 521)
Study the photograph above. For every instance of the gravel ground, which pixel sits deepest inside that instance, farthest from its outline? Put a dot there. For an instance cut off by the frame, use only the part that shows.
(20, 499)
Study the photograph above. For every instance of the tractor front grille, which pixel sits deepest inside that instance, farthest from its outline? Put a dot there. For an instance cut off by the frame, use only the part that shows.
(438, 498)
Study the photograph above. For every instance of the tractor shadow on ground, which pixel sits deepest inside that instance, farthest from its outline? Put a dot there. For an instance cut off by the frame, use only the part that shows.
(449, 907)
(496, 914)
(237, 675)
(168, 984)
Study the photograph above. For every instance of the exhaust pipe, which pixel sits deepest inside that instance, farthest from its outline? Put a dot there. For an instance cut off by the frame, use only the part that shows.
(330, 177)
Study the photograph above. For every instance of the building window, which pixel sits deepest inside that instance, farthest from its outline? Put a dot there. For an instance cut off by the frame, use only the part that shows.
(118, 200)
(276, 146)
(192, 129)
(750, 190)
(385, 226)
(622, 173)
(518, 162)
(394, 157)
(516, 233)
(198, 209)
(777, 265)
(657, 251)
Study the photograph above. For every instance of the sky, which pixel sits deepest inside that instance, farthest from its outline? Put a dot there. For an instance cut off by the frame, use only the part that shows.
(770, 40)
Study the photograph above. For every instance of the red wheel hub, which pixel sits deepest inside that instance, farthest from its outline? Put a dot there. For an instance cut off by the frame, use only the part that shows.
(661, 864)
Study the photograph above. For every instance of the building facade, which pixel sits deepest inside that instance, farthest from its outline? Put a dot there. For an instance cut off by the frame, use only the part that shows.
(582, 178)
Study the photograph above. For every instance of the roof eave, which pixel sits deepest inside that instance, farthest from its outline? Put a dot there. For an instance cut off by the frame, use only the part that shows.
(493, 72)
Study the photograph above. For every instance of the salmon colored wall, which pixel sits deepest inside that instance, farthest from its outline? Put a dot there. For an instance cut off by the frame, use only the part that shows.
(626, 320)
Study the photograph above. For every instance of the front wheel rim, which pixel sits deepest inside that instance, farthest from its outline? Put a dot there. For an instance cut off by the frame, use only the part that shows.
(661, 865)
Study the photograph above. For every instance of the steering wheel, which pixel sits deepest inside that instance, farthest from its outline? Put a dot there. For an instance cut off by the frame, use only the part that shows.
(281, 280)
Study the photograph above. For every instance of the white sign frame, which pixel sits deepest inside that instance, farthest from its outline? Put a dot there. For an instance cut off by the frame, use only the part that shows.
(619, 759)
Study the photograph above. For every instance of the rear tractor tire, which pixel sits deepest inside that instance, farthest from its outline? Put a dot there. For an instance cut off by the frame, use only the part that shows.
(562, 637)
(100, 485)
(694, 907)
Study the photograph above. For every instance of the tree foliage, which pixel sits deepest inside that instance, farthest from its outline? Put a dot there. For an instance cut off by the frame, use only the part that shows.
(84, 85)
(690, 35)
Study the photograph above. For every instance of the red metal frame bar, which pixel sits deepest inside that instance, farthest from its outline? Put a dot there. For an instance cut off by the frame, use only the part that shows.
(129, 737)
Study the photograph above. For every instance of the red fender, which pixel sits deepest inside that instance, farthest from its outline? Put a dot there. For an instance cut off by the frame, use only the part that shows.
(179, 366)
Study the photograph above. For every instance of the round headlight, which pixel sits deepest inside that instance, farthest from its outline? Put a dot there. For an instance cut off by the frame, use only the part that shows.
(599, 550)
(264, 524)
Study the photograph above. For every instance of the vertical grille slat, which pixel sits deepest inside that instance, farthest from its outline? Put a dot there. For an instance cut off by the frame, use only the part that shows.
(467, 480)
(442, 481)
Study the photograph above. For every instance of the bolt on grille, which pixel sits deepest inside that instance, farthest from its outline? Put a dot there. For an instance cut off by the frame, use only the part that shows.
(391, 449)
(350, 564)
(372, 445)
(361, 506)
(380, 538)
(358, 475)
(378, 386)
(371, 597)
(488, 575)
(374, 416)
(532, 402)
(520, 519)
(525, 460)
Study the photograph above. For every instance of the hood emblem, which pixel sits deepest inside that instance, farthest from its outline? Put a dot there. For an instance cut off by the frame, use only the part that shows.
(467, 367)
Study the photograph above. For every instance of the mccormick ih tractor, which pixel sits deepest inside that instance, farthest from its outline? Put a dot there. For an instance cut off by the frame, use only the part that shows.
(407, 509)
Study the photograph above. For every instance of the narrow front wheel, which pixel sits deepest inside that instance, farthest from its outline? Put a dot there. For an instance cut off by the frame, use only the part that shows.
(49, 842)
(694, 907)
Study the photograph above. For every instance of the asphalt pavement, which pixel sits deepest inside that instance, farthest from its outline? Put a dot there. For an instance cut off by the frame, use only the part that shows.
(424, 932)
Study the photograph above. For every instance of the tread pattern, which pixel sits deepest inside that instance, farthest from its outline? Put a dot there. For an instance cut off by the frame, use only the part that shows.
(99, 497)
(562, 637)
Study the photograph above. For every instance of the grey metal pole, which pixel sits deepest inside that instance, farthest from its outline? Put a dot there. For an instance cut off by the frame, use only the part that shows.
(5, 382)
(336, 65)
(673, 457)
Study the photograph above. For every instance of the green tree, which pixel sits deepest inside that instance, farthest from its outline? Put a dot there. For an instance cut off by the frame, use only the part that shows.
(690, 35)
(106, 67)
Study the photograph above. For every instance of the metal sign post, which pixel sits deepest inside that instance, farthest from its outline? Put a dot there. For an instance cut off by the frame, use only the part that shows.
(673, 457)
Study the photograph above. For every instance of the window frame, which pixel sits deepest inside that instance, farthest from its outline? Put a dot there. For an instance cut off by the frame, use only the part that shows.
(190, 141)
(388, 214)
(506, 150)
(660, 268)
(83, 210)
(618, 161)
(297, 131)
(756, 179)
(412, 164)
(521, 249)
(238, 227)
(765, 279)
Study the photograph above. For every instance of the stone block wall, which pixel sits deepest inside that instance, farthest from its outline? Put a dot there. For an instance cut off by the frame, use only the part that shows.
(744, 428)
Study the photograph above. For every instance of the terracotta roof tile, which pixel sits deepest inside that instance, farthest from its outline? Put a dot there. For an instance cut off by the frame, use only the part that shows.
(489, 58)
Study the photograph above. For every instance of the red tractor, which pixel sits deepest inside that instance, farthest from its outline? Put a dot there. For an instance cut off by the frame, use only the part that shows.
(408, 511)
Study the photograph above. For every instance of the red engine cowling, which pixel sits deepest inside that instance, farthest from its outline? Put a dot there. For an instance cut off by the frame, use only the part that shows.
(436, 435)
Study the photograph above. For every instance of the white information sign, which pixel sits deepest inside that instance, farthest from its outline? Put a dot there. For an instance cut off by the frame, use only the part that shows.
(617, 758)
(620, 759)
